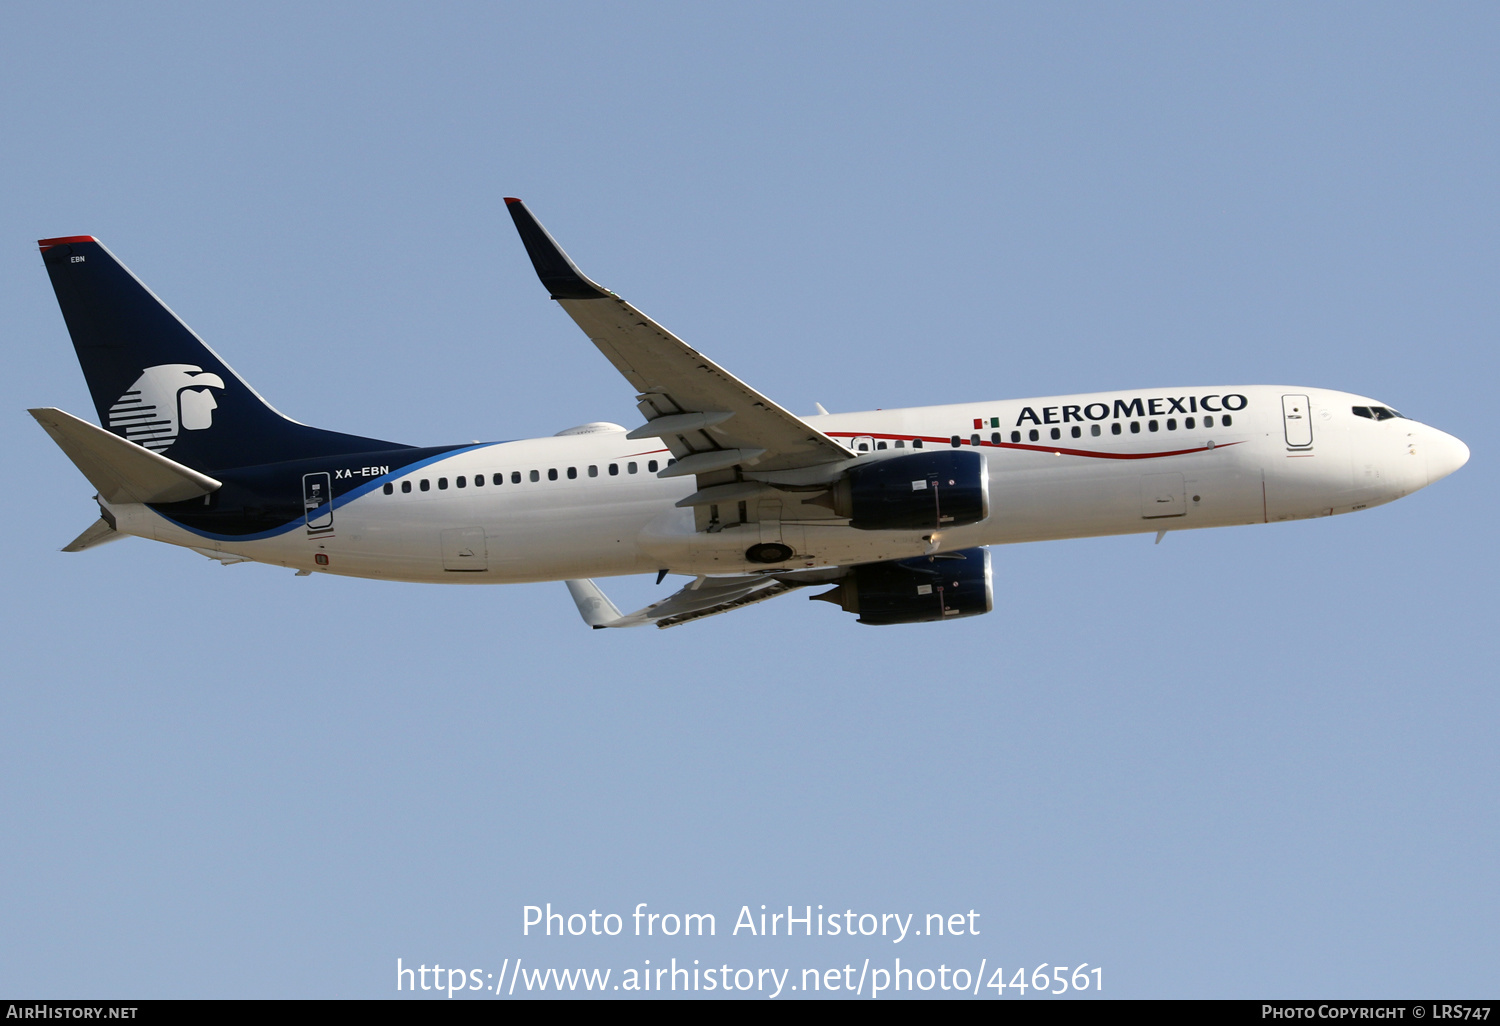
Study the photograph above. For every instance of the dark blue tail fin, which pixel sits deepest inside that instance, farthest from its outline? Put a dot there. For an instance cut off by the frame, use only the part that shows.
(156, 383)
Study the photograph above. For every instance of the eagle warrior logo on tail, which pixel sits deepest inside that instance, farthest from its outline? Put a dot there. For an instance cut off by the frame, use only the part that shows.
(164, 400)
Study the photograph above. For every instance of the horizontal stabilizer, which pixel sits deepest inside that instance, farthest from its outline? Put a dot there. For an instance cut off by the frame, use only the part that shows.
(99, 532)
(121, 471)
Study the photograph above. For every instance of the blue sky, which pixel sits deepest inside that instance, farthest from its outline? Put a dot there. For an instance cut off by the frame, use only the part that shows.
(1244, 762)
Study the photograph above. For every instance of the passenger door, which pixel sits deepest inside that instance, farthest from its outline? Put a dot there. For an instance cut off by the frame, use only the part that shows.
(1296, 415)
(317, 502)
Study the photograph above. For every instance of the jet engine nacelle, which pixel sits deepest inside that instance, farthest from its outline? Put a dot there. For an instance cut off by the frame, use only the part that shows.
(913, 492)
(918, 590)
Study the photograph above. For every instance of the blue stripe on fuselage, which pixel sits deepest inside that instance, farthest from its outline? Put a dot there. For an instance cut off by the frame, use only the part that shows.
(337, 501)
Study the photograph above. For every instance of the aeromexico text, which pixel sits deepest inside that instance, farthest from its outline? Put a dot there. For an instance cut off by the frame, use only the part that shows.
(806, 921)
(1161, 406)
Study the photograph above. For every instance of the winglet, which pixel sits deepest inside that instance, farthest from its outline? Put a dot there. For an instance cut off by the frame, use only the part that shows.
(595, 608)
(559, 275)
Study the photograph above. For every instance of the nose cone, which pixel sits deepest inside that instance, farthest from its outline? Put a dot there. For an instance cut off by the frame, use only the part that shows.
(1445, 454)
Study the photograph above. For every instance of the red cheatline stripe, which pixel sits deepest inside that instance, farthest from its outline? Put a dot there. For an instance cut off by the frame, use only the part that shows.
(49, 243)
(1092, 454)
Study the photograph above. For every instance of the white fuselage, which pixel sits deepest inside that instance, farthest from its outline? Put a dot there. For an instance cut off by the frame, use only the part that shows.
(1287, 453)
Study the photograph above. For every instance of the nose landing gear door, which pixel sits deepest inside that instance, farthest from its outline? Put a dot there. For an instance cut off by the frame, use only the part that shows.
(317, 502)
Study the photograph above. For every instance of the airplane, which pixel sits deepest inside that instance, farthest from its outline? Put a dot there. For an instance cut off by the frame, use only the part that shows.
(892, 510)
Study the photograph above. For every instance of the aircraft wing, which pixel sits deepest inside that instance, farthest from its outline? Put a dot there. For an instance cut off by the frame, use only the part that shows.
(710, 420)
(705, 596)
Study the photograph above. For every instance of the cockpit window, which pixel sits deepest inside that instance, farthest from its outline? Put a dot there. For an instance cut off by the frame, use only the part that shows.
(1363, 411)
(1376, 412)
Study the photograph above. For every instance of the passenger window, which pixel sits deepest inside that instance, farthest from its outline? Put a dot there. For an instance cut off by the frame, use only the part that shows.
(1033, 435)
(1152, 425)
(1094, 430)
(536, 475)
(1135, 427)
(1056, 434)
(593, 470)
(955, 441)
(426, 485)
(974, 439)
(1208, 422)
(1077, 431)
(1171, 423)
(552, 474)
(462, 482)
(880, 445)
(631, 468)
(651, 466)
(1114, 428)
(572, 473)
(1226, 420)
(406, 486)
(1015, 436)
(614, 470)
(1189, 423)
(389, 489)
(442, 483)
(916, 443)
(1363, 411)
(478, 480)
(498, 479)
(515, 477)
(900, 444)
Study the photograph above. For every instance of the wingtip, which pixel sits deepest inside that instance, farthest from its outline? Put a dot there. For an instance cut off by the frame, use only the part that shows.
(47, 244)
(511, 201)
